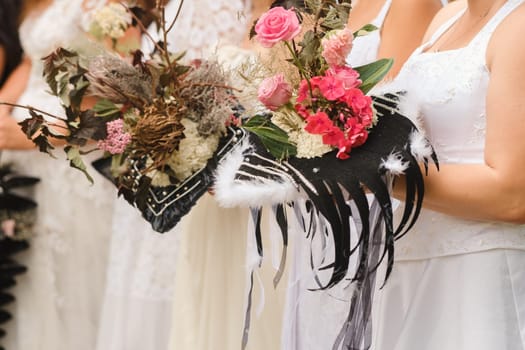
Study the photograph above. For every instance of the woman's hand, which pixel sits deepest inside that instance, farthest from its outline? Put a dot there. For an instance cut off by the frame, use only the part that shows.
(11, 135)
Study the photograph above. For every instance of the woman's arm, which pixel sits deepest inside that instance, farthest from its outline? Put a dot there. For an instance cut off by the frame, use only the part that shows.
(15, 83)
(494, 190)
(404, 28)
(3, 61)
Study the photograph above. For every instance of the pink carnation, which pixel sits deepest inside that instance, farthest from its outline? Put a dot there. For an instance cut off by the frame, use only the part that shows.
(117, 139)
(274, 92)
(278, 24)
(336, 46)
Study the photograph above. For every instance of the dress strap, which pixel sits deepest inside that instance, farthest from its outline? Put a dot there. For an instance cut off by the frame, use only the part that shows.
(380, 19)
(441, 30)
(482, 39)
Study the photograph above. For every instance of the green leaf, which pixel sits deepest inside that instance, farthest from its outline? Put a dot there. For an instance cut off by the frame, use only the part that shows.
(106, 108)
(75, 160)
(273, 138)
(373, 73)
(365, 30)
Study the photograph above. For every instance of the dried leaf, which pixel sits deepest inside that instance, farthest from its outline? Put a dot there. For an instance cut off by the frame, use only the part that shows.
(75, 160)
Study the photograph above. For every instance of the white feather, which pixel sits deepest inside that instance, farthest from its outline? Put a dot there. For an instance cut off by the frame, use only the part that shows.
(394, 164)
(230, 192)
(419, 146)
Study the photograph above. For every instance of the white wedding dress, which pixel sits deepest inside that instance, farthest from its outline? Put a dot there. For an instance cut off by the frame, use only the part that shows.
(138, 303)
(58, 299)
(331, 307)
(217, 256)
(456, 284)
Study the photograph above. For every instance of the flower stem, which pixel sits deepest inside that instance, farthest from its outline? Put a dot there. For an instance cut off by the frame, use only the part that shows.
(29, 108)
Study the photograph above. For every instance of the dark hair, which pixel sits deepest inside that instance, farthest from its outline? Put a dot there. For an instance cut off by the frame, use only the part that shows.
(9, 12)
(298, 4)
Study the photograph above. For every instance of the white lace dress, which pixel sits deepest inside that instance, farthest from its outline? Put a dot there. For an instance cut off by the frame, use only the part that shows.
(58, 299)
(456, 284)
(138, 303)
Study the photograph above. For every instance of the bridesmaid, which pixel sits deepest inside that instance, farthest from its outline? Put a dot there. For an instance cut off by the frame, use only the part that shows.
(458, 280)
(393, 39)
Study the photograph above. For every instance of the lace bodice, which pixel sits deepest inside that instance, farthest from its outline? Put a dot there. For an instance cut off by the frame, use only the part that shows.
(449, 89)
(198, 35)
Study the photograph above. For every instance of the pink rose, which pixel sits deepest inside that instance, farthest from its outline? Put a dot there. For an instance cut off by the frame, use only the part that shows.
(274, 92)
(278, 24)
(348, 76)
(336, 46)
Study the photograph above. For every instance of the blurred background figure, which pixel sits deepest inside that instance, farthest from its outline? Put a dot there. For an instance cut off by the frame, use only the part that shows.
(58, 300)
(10, 48)
(146, 267)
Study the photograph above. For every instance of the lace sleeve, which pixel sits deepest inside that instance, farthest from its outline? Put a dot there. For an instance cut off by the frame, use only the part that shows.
(203, 24)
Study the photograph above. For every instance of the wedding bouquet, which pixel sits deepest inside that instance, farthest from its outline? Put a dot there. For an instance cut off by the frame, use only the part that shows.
(346, 147)
(162, 124)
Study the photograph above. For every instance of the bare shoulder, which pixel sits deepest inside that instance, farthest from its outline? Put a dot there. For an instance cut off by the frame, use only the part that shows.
(446, 13)
(507, 41)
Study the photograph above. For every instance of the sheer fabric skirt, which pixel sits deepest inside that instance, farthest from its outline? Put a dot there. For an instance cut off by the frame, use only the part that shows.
(472, 301)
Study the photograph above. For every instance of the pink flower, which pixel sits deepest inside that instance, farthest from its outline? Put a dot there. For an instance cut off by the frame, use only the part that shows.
(334, 136)
(348, 76)
(359, 102)
(278, 24)
(304, 89)
(356, 134)
(302, 110)
(8, 227)
(274, 92)
(336, 46)
(117, 139)
(332, 88)
(318, 124)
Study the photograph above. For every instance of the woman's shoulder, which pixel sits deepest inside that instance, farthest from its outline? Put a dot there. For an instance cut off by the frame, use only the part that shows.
(507, 39)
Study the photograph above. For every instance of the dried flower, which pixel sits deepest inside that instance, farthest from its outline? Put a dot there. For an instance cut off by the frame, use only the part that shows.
(112, 78)
(158, 131)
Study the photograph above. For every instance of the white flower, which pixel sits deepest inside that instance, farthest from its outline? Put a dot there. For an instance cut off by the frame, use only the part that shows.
(111, 20)
(194, 151)
(308, 145)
